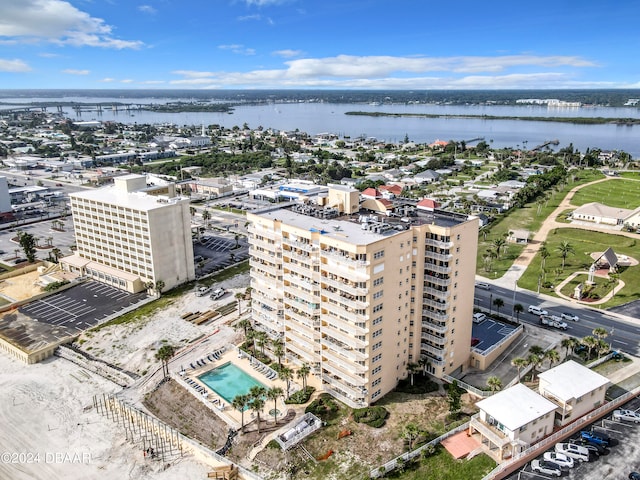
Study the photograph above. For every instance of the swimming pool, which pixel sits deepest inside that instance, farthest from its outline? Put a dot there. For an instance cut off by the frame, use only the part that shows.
(228, 381)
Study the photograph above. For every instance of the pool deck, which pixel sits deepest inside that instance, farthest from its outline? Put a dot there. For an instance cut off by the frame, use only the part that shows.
(216, 403)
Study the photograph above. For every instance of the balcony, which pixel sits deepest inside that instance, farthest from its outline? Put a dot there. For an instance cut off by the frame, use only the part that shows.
(342, 336)
(266, 255)
(343, 349)
(304, 355)
(353, 402)
(296, 267)
(348, 365)
(441, 294)
(435, 304)
(443, 282)
(343, 373)
(344, 322)
(302, 337)
(351, 390)
(307, 247)
(438, 243)
(305, 325)
(433, 338)
(273, 270)
(304, 259)
(299, 317)
(435, 361)
(435, 327)
(344, 286)
(442, 257)
(347, 316)
(294, 295)
(433, 267)
(302, 282)
(491, 433)
(343, 302)
(433, 315)
(260, 299)
(344, 259)
(269, 234)
(430, 349)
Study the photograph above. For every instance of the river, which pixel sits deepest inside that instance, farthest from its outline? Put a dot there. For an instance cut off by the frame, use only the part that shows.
(315, 118)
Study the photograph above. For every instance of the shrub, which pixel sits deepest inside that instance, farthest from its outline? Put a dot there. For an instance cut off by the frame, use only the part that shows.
(301, 396)
(421, 384)
(55, 286)
(373, 416)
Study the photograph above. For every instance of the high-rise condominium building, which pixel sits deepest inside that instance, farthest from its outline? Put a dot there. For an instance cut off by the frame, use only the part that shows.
(128, 235)
(359, 296)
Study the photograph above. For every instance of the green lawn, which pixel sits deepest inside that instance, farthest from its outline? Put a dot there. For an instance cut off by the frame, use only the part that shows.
(530, 217)
(616, 192)
(584, 242)
(635, 175)
(442, 466)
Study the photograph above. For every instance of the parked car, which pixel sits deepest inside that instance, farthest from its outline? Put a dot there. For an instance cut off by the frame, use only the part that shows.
(595, 449)
(569, 316)
(560, 459)
(595, 437)
(479, 317)
(217, 293)
(202, 291)
(628, 415)
(483, 285)
(634, 476)
(537, 310)
(577, 452)
(543, 466)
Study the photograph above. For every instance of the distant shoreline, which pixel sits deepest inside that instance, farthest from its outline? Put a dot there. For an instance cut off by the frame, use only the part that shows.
(575, 120)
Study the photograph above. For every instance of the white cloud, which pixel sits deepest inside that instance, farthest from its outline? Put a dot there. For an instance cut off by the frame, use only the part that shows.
(48, 55)
(147, 9)
(152, 82)
(13, 66)
(56, 21)
(239, 49)
(108, 80)
(72, 71)
(345, 71)
(126, 80)
(287, 53)
(250, 17)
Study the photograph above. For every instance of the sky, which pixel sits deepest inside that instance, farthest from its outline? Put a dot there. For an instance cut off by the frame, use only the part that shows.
(319, 44)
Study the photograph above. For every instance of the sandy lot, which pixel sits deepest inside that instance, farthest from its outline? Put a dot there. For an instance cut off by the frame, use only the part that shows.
(50, 431)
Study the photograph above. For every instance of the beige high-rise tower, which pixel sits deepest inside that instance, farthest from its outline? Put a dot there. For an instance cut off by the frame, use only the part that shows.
(358, 296)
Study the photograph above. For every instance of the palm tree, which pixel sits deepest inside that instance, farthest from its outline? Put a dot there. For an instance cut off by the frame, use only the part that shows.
(591, 343)
(205, 217)
(553, 356)
(498, 243)
(519, 363)
(494, 383)
(412, 368)
(261, 340)
(536, 350)
(286, 375)
(240, 403)
(159, 286)
(239, 296)
(245, 324)
(498, 302)
(278, 349)
(410, 432)
(533, 360)
(303, 373)
(518, 308)
(602, 347)
(164, 354)
(544, 254)
(273, 394)
(568, 344)
(600, 333)
(565, 249)
(257, 404)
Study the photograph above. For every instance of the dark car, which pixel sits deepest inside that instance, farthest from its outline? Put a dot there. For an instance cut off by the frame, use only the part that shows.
(634, 476)
(596, 437)
(594, 448)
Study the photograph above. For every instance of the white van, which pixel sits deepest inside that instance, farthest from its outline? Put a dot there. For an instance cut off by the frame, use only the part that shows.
(479, 317)
(577, 452)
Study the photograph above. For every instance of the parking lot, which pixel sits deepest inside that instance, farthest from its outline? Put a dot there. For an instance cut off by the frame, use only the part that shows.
(621, 458)
(213, 253)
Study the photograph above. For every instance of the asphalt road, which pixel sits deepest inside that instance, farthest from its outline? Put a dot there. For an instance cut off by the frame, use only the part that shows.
(623, 335)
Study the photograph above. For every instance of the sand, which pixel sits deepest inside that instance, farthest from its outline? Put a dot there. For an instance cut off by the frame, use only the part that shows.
(49, 428)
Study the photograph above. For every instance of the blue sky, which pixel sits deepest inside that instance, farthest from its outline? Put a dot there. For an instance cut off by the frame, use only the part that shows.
(329, 44)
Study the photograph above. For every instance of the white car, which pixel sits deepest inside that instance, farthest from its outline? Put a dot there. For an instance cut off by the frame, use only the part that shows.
(537, 310)
(577, 452)
(217, 293)
(628, 415)
(559, 459)
(483, 285)
(548, 468)
(202, 291)
(569, 316)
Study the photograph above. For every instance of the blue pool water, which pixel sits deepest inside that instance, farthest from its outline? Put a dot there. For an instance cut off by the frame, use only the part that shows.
(228, 381)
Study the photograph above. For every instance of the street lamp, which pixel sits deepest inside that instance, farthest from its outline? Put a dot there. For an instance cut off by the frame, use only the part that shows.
(513, 307)
(490, 302)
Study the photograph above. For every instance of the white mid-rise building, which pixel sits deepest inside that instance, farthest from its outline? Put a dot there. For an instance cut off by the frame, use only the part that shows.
(131, 236)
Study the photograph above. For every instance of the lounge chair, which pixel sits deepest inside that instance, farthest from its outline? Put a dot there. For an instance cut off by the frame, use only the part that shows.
(192, 367)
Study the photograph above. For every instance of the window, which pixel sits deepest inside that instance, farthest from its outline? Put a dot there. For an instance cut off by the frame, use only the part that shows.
(377, 333)
(377, 295)
(376, 382)
(377, 370)
(378, 255)
(377, 320)
(378, 281)
(377, 358)
(377, 346)
(376, 394)
(377, 308)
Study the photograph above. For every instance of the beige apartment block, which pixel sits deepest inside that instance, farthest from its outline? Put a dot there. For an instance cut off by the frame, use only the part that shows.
(358, 296)
(128, 235)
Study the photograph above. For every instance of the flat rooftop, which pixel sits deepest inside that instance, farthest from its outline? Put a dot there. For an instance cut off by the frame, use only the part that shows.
(489, 333)
(349, 228)
(63, 315)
